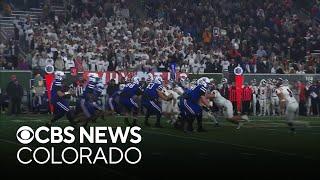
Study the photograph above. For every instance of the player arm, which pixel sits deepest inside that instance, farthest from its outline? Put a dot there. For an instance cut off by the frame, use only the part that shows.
(163, 96)
(210, 96)
(204, 101)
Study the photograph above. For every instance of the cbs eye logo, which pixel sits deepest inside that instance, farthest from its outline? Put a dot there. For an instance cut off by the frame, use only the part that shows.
(25, 134)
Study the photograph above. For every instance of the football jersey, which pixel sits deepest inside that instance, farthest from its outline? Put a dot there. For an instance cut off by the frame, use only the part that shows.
(273, 91)
(55, 87)
(89, 89)
(219, 100)
(263, 92)
(254, 89)
(287, 93)
(98, 91)
(151, 90)
(195, 93)
(131, 90)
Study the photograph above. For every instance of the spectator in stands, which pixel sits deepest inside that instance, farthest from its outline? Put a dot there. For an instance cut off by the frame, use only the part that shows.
(23, 65)
(15, 93)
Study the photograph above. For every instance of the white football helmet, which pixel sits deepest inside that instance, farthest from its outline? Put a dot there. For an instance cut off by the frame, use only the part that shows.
(150, 77)
(158, 80)
(121, 87)
(224, 80)
(136, 80)
(59, 75)
(263, 82)
(93, 77)
(203, 81)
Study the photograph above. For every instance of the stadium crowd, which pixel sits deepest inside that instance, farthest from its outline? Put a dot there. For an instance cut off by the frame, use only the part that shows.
(199, 36)
(196, 36)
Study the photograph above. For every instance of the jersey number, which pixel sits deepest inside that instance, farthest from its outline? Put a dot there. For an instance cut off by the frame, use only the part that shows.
(130, 85)
(150, 86)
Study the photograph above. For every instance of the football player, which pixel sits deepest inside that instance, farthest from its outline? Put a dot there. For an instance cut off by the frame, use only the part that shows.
(150, 100)
(126, 100)
(254, 96)
(58, 101)
(192, 103)
(113, 101)
(274, 98)
(226, 106)
(87, 106)
(287, 100)
(262, 96)
(170, 108)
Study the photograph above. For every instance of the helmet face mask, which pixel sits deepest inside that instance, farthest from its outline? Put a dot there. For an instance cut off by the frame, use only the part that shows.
(135, 80)
(59, 75)
(279, 82)
(93, 77)
(204, 81)
(263, 82)
(224, 80)
(158, 80)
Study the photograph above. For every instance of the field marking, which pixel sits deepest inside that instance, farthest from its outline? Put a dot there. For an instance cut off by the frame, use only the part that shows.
(10, 142)
(231, 144)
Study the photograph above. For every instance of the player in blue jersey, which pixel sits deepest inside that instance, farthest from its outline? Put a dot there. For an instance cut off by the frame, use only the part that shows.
(58, 101)
(87, 105)
(150, 100)
(126, 100)
(113, 101)
(193, 102)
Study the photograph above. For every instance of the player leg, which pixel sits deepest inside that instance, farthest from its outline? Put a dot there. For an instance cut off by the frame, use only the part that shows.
(61, 108)
(228, 114)
(267, 106)
(181, 120)
(192, 110)
(199, 117)
(264, 101)
(290, 111)
(87, 113)
(260, 107)
(126, 109)
(157, 109)
(254, 105)
(146, 106)
(58, 113)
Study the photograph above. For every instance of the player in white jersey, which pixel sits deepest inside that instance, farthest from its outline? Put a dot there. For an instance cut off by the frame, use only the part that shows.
(287, 100)
(170, 108)
(226, 106)
(268, 99)
(274, 99)
(254, 97)
(262, 97)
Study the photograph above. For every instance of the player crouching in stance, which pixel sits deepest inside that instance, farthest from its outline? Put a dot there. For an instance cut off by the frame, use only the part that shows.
(287, 102)
(131, 108)
(60, 105)
(191, 105)
(150, 100)
(226, 106)
(87, 108)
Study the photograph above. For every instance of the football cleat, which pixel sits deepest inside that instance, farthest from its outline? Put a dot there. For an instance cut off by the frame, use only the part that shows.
(245, 117)
(239, 125)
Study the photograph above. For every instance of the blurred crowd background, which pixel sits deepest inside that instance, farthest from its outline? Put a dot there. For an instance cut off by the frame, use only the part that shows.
(200, 36)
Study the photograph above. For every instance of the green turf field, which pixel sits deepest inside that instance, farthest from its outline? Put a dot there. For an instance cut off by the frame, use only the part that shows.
(265, 142)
